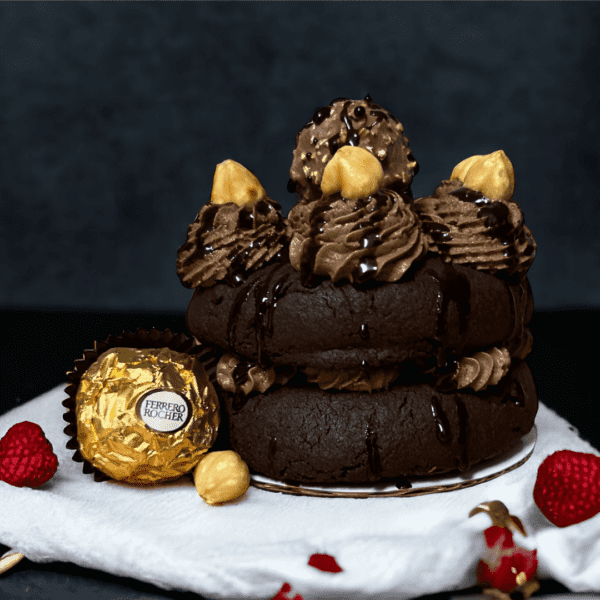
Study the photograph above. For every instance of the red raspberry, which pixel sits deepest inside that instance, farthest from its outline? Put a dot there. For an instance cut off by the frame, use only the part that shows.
(26, 456)
(567, 488)
(505, 565)
(498, 536)
(282, 594)
(324, 562)
(510, 571)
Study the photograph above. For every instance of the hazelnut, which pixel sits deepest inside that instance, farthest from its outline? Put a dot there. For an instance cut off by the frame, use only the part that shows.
(354, 172)
(232, 182)
(221, 476)
(491, 174)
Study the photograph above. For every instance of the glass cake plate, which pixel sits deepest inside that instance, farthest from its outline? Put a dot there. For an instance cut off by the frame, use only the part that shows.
(413, 486)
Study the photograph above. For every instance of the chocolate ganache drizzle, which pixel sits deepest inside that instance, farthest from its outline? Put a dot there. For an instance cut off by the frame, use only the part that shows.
(454, 287)
(443, 429)
(227, 242)
(266, 289)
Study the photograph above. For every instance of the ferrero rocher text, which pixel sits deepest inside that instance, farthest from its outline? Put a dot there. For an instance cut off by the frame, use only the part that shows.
(162, 410)
(145, 415)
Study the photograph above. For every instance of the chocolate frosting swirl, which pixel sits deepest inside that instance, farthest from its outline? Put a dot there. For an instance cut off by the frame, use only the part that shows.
(482, 369)
(465, 227)
(355, 380)
(227, 242)
(356, 123)
(237, 375)
(369, 238)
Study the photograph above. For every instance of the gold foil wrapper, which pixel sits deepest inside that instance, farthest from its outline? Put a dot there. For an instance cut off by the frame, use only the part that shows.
(141, 414)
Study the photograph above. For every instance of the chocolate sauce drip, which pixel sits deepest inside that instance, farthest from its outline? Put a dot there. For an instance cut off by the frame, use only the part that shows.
(495, 217)
(352, 137)
(360, 113)
(369, 240)
(234, 313)
(467, 194)
(268, 293)
(272, 449)
(321, 114)
(438, 232)
(236, 273)
(454, 287)
(364, 332)
(516, 393)
(367, 268)
(379, 115)
(373, 460)
(207, 224)
(334, 143)
(442, 423)
(246, 218)
(240, 373)
(316, 221)
(464, 462)
(403, 484)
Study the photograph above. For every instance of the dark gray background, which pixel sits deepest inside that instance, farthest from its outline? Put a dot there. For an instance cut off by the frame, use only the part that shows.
(114, 115)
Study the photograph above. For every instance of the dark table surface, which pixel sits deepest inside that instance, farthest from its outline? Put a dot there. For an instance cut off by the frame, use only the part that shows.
(39, 347)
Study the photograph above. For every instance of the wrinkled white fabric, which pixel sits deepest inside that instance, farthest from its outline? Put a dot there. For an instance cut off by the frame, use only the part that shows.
(387, 547)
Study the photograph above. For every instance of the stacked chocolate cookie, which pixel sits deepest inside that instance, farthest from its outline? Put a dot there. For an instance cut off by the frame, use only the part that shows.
(367, 336)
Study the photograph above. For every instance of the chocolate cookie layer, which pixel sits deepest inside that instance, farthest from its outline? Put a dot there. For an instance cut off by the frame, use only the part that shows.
(438, 308)
(308, 435)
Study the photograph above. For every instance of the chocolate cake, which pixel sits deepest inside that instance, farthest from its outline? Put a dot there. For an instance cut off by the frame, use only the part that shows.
(368, 336)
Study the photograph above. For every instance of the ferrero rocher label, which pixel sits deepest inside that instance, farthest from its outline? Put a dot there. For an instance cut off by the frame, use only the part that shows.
(145, 415)
(164, 410)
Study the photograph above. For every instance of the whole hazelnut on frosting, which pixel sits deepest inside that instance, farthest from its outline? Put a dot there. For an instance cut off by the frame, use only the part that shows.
(491, 174)
(232, 182)
(354, 172)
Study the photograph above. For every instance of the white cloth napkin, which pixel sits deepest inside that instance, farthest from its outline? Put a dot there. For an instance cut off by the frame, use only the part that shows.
(387, 547)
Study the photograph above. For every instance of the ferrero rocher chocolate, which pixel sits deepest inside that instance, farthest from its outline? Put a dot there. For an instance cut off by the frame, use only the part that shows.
(145, 415)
